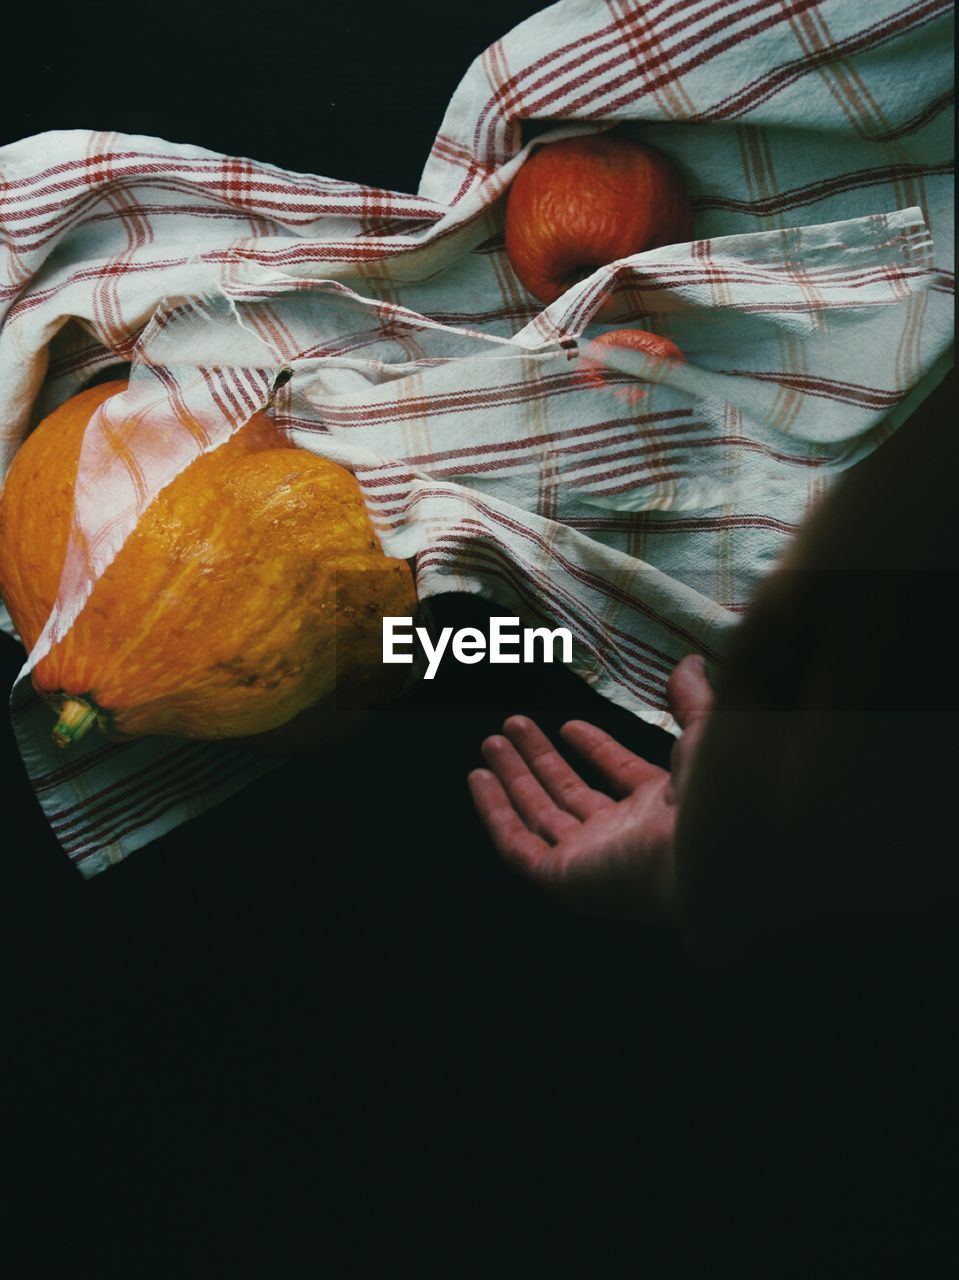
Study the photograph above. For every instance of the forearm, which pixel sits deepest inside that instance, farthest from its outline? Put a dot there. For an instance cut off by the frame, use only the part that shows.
(825, 763)
(792, 822)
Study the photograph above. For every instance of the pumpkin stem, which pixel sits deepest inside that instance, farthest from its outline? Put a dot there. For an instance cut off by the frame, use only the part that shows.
(76, 717)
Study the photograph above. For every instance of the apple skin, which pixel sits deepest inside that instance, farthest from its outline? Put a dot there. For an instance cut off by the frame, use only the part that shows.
(650, 344)
(581, 203)
(594, 374)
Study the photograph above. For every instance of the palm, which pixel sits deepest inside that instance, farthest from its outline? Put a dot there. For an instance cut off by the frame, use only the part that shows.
(600, 851)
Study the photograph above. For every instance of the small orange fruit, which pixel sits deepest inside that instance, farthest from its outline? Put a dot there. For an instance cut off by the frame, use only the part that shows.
(595, 374)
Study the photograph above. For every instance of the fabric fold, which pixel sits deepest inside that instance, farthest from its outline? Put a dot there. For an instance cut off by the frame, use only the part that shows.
(388, 332)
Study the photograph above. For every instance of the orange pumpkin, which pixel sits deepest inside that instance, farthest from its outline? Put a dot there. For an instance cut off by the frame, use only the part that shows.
(251, 589)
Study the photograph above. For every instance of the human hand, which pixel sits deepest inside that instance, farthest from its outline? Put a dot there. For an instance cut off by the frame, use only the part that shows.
(599, 853)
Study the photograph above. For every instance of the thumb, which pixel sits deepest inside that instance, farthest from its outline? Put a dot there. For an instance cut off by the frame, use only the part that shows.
(689, 692)
(690, 698)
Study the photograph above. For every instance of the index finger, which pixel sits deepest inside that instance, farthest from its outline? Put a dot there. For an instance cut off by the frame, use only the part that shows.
(623, 770)
(561, 781)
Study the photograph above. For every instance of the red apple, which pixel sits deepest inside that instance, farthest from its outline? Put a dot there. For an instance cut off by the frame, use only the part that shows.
(581, 203)
(594, 374)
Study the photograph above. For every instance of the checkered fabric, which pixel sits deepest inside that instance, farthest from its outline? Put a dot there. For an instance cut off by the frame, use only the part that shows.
(814, 307)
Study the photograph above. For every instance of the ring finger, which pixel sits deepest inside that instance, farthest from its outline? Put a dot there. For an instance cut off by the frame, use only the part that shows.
(531, 801)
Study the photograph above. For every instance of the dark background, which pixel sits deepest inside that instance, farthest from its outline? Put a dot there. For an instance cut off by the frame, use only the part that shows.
(321, 1030)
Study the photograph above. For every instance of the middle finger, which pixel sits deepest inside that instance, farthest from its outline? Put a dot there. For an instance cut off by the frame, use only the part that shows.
(560, 780)
(534, 805)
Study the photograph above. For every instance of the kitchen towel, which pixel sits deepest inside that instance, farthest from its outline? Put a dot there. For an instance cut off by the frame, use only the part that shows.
(387, 331)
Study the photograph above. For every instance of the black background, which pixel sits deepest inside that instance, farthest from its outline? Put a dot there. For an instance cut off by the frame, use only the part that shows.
(321, 1030)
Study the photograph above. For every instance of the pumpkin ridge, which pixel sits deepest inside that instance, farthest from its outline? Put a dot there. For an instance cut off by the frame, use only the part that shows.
(222, 615)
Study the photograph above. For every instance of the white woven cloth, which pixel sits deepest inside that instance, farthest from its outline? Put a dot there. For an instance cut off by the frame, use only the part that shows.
(814, 307)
